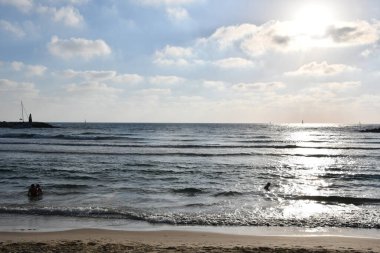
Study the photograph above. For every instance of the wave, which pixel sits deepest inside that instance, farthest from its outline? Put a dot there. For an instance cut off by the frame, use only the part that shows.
(190, 191)
(179, 154)
(93, 212)
(354, 220)
(69, 186)
(70, 137)
(181, 146)
(340, 200)
(352, 177)
(227, 194)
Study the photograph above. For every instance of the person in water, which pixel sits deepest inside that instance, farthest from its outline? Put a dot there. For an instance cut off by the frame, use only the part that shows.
(34, 190)
(39, 190)
(266, 187)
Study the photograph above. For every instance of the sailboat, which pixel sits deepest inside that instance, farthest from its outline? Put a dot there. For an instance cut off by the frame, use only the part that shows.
(22, 124)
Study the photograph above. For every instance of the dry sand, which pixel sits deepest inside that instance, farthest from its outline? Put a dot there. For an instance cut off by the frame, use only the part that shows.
(98, 240)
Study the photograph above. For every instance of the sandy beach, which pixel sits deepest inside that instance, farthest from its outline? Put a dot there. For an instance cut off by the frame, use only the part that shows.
(99, 240)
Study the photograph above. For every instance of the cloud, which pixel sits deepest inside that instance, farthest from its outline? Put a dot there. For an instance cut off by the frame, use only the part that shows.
(321, 69)
(171, 55)
(166, 80)
(12, 28)
(177, 14)
(17, 65)
(74, 2)
(174, 8)
(78, 47)
(68, 15)
(10, 87)
(30, 70)
(22, 5)
(238, 42)
(36, 70)
(283, 37)
(225, 37)
(261, 86)
(89, 75)
(234, 63)
(154, 92)
(101, 75)
(366, 53)
(215, 85)
(354, 33)
(340, 86)
(128, 78)
(166, 2)
(92, 89)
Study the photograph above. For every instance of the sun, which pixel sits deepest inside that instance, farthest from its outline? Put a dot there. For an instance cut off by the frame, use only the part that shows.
(313, 19)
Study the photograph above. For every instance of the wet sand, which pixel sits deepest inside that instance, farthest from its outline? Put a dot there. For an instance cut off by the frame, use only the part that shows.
(99, 240)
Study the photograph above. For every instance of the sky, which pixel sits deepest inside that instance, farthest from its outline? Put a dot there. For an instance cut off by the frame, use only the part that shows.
(217, 61)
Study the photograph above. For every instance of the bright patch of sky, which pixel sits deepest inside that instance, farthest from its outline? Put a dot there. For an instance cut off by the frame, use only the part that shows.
(190, 60)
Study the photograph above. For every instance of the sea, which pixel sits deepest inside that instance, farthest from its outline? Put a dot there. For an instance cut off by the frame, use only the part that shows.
(144, 175)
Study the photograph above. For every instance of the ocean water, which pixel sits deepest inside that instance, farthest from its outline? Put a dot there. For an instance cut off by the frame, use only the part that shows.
(322, 176)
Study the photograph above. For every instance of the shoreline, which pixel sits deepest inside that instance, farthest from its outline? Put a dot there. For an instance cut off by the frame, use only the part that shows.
(92, 240)
(41, 223)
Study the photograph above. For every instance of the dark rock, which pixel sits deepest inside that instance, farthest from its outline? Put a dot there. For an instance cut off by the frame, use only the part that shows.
(5, 124)
(373, 130)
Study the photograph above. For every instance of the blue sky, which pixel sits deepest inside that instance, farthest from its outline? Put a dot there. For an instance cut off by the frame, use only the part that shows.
(191, 60)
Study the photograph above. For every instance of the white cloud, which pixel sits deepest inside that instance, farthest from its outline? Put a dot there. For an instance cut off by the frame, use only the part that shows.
(261, 86)
(68, 15)
(74, 2)
(89, 75)
(36, 70)
(92, 89)
(102, 75)
(154, 92)
(166, 80)
(340, 86)
(31, 70)
(12, 28)
(366, 53)
(225, 37)
(215, 85)
(354, 33)
(171, 55)
(174, 8)
(78, 47)
(17, 65)
(177, 14)
(285, 36)
(22, 5)
(234, 63)
(128, 78)
(238, 42)
(321, 69)
(14, 88)
(166, 2)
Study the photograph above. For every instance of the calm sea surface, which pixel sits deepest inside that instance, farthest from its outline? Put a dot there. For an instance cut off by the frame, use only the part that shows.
(197, 174)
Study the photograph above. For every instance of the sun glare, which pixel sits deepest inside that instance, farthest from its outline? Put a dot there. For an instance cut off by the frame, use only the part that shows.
(313, 19)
